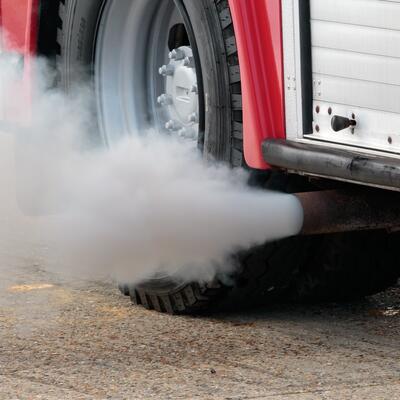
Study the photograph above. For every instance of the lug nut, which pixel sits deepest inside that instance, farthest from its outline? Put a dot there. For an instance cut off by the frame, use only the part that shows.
(177, 54)
(164, 100)
(188, 62)
(166, 70)
(173, 125)
(182, 132)
(193, 118)
(187, 133)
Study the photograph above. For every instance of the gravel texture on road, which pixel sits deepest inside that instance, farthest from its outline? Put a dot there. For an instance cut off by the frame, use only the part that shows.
(82, 340)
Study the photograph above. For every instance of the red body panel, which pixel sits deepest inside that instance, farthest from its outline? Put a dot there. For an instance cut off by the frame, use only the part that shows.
(258, 29)
(19, 19)
(259, 40)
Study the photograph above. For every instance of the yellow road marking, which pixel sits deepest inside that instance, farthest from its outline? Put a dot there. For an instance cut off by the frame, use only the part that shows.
(29, 288)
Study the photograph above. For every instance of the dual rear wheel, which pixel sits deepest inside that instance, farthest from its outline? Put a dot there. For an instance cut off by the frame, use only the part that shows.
(172, 66)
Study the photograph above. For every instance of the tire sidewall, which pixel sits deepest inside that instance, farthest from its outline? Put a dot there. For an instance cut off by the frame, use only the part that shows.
(205, 23)
(78, 50)
(77, 40)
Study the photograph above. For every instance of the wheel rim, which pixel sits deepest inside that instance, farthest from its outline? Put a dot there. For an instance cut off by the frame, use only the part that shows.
(145, 71)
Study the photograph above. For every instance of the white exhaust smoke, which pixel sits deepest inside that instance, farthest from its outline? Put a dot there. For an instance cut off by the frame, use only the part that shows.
(146, 205)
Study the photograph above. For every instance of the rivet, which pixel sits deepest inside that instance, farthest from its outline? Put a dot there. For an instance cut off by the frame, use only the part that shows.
(165, 100)
(193, 118)
(177, 54)
(172, 125)
(188, 62)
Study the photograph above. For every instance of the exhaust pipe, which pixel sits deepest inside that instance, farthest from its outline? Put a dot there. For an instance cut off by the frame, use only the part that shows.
(335, 211)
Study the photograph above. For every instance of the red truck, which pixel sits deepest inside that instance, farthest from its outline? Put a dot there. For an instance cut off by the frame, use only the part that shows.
(305, 94)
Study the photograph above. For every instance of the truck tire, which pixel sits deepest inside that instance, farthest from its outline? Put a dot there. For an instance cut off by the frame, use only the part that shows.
(264, 273)
(348, 267)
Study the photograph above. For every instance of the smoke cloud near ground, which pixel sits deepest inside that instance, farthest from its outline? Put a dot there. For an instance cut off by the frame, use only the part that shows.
(148, 204)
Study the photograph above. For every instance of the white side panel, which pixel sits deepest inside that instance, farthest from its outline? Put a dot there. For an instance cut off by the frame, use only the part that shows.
(357, 66)
(356, 71)
(373, 13)
(358, 39)
(357, 93)
(290, 73)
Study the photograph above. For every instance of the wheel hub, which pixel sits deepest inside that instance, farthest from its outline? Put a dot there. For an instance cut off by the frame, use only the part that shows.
(133, 43)
(181, 94)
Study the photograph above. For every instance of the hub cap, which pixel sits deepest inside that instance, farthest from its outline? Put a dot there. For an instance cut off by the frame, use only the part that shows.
(141, 82)
(180, 97)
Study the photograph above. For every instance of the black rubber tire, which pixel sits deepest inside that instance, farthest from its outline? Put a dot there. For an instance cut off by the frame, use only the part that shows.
(348, 267)
(278, 270)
